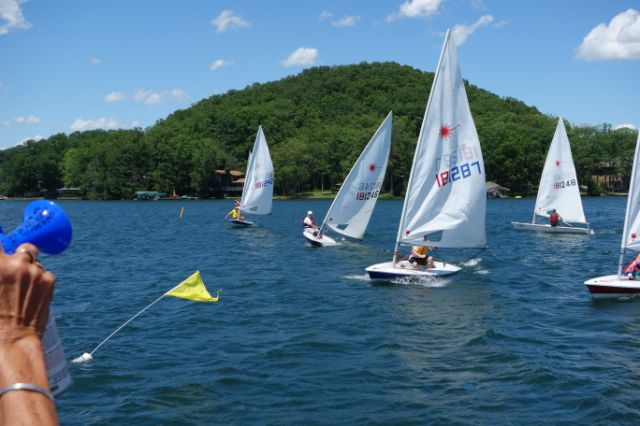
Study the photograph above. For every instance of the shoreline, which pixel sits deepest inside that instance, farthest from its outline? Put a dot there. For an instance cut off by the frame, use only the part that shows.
(382, 197)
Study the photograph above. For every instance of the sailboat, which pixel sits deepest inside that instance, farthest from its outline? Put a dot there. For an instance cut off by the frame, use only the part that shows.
(619, 285)
(257, 193)
(352, 207)
(558, 190)
(446, 196)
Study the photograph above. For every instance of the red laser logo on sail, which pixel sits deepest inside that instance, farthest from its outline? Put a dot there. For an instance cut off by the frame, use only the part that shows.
(372, 167)
(446, 130)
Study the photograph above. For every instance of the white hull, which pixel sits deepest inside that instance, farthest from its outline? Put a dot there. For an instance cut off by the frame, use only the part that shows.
(239, 222)
(389, 271)
(324, 241)
(612, 286)
(551, 229)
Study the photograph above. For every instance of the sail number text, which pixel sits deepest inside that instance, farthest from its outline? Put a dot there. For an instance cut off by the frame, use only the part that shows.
(565, 184)
(464, 152)
(368, 190)
(457, 172)
(265, 182)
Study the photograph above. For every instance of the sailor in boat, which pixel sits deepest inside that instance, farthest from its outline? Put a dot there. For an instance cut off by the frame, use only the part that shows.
(633, 267)
(235, 212)
(420, 256)
(310, 223)
(554, 218)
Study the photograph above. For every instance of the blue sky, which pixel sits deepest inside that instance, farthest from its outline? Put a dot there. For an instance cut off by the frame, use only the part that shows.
(71, 65)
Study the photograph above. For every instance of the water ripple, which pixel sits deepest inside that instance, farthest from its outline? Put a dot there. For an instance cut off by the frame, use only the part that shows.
(302, 336)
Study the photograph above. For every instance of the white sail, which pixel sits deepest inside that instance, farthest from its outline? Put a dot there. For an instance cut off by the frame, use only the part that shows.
(351, 210)
(619, 285)
(257, 193)
(446, 193)
(631, 234)
(559, 188)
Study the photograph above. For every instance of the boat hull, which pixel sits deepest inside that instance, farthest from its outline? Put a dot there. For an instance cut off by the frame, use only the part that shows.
(388, 271)
(551, 229)
(612, 286)
(324, 241)
(238, 222)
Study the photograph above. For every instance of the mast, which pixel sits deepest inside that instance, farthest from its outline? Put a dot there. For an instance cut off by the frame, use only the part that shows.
(630, 199)
(249, 174)
(396, 251)
(247, 177)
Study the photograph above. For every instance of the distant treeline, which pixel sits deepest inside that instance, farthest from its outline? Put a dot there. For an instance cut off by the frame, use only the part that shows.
(316, 124)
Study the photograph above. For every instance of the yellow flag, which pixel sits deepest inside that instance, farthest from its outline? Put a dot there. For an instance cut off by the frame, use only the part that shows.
(193, 289)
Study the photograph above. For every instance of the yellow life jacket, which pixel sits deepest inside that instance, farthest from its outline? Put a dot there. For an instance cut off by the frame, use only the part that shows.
(421, 250)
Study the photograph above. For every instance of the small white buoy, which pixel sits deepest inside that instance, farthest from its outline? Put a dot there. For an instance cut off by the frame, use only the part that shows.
(83, 358)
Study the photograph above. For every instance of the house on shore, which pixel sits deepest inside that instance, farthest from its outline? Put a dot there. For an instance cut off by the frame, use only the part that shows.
(230, 183)
(496, 191)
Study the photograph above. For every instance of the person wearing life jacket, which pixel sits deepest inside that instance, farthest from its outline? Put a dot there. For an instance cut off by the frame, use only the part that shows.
(554, 218)
(234, 213)
(633, 267)
(420, 255)
(310, 223)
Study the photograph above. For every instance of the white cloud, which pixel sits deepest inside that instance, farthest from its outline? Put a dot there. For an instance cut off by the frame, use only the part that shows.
(179, 95)
(502, 24)
(228, 21)
(93, 60)
(140, 94)
(150, 98)
(219, 63)
(34, 138)
(153, 99)
(101, 123)
(460, 32)
(28, 120)
(415, 9)
(11, 14)
(113, 97)
(618, 40)
(302, 56)
(325, 15)
(347, 21)
(4, 88)
(625, 126)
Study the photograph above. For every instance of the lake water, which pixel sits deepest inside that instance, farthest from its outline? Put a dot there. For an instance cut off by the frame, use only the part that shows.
(301, 336)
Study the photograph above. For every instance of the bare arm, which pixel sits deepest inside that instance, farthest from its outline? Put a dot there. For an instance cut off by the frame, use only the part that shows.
(25, 294)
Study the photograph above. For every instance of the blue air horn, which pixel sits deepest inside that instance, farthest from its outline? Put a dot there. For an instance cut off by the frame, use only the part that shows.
(45, 225)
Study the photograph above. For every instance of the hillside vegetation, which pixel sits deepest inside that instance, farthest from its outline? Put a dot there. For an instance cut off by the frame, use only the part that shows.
(316, 124)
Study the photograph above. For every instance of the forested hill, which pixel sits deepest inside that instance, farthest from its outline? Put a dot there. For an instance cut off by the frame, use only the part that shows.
(316, 124)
